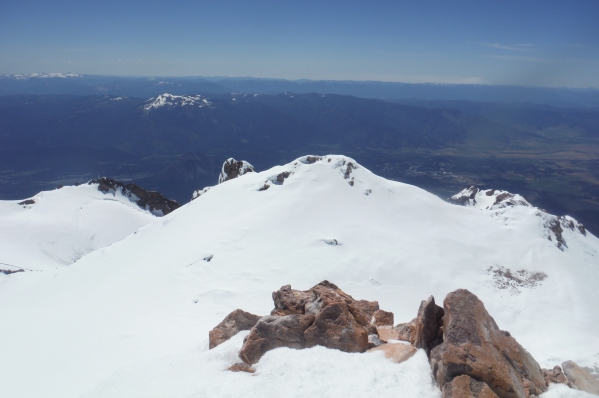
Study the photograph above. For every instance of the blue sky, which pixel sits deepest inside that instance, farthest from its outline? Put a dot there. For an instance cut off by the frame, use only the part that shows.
(533, 43)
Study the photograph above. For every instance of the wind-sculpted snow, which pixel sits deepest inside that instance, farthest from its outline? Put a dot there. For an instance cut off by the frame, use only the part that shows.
(132, 319)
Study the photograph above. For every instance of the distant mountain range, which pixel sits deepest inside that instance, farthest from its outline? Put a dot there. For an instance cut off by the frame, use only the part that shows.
(172, 142)
(69, 83)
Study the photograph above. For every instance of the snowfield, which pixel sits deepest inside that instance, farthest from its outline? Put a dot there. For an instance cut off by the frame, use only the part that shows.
(132, 319)
(62, 225)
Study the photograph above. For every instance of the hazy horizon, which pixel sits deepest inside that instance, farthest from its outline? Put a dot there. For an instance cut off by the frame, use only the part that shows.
(538, 43)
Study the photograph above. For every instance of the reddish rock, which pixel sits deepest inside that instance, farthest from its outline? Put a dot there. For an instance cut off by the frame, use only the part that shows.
(383, 318)
(273, 332)
(397, 353)
(405, 331)
(555, 376)
(580, 378)
(233, 323)
(335, 327)
(241, 367)
(473, 345)
(428, 326)
(387, 333)
(289, 301)
(466, 387)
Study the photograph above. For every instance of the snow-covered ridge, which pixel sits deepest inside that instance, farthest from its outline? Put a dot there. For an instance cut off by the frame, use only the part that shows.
(44, 75)
(169, 100)
(152, 201)
(489, 199)
(500, 204)
(133, 319)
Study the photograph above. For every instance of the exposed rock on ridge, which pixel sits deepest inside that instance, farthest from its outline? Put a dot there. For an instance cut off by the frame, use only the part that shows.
(153, 201)
(234, 168)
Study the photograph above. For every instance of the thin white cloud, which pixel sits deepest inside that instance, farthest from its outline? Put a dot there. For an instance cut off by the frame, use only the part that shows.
(523, 47)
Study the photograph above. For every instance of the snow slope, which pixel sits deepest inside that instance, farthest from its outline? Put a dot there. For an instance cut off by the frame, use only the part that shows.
(132, 319)
(63, 225)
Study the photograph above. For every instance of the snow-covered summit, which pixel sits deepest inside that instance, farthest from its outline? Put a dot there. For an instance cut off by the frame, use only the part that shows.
(133, 319)
(170, 100)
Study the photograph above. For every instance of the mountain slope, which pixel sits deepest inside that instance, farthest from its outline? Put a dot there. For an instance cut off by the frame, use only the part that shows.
(55, 228)
(132, 319)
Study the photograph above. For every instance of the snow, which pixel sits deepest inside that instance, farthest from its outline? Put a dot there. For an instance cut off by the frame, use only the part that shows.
(45, 75)
(283, 372)
(170, 100)
(132, 319)
(63, 225)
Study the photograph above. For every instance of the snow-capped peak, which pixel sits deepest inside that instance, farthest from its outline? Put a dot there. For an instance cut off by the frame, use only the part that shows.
(170, 100)
(489, 199)
(44, 75)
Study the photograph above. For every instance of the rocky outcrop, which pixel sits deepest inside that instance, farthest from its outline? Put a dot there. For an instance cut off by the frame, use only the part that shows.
(234, 168)
(324, 315)
(466, 387)
(273, 332)
(397, 353)
(233, 323)
(555, 376)
(152, 201)
(580, 378)
(428, 326)
(473, 345)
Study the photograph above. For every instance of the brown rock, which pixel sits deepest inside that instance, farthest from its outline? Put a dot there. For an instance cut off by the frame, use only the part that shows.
(406, 330)
(555, 376)
(273, 332)
(473, 345)
(428, 328)
(383, 318)
(397, 353)
(289, 301)
(233, 323)
(580, 378)
(335, 327)
(387, 333)
(241, 367)
(466, 387)
(363, 311)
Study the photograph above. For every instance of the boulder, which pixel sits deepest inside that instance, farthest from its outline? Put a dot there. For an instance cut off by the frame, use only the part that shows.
(233, 323)
(397, 353)
(273, 332)
(324, 315)
(555, 376)
(580, 378)
(428, 326)
(473, 345)
(466, 387)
